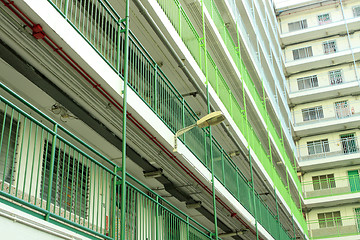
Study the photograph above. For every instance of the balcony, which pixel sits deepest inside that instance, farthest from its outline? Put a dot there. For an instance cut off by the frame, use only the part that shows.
(321, 86)
(47, 170)
(326, 118)
(321, 153)
(320, 31)
(320, 60)
(152, 86)
(331, 186)
(334, 228)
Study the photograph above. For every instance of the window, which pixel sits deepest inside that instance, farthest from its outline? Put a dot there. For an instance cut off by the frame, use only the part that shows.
(335, 77)
(329, 219)
(323, 182)
(329, 47)
(312, 113)
(294, 26)
(8, 131)
(307, 82)
(70, 183)
(356, 11)
(324, 19)
(302, 53)
(319, 146)
(342, 109)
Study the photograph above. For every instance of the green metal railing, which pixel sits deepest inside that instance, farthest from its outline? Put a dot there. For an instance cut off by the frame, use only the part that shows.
(50, 170)
(192, 40)
(334, 227)
(331, 186)
(155, 89)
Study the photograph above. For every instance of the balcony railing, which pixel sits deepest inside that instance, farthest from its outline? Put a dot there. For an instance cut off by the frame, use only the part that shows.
(321, 81)
(319, 54)
(313, 24)
(334, 227)
(331, 186)
(101, 27)
(177, 15)
(324, 149)
(48, 169)
(324, 113)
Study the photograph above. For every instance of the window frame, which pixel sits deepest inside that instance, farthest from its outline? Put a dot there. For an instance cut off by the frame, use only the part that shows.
(318, 146)
(329, 47)
(321, 20)
(356, 11)
(336, 77)
(312, 80)
(318, 110)
(302, 24)
(325, 181)
(15, 126)
(301, 53)
(68, 162)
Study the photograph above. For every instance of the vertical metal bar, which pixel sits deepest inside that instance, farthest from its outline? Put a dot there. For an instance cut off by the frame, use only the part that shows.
(208, 108)
(253, 193)
(126, 75)
(51, 172)
(113, 215)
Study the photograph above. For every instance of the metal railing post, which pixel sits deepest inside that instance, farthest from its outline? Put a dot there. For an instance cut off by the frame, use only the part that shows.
(209, 110)
(123, 166)
(51, 172)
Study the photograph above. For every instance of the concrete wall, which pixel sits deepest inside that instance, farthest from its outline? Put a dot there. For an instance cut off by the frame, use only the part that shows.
(311, 14)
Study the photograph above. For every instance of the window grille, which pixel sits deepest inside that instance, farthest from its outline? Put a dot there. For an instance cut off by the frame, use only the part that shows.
(319, 146)
(312, 113)
(356, 11)
(294, 26)
(8, 128)
(302, 53)
(70, 183)
(335, 77)
(329, 47)
(307, 82)
(324, 19)
(342, 109)
(329, 219)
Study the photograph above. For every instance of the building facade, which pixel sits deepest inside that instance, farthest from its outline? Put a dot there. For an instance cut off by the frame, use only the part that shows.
(321, 45)
(76, 75)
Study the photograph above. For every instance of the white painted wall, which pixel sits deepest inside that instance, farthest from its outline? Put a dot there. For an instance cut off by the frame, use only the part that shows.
(348, 73)
(311, 14)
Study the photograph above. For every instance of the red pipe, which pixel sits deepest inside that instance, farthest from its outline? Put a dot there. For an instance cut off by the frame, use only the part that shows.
(21, 15)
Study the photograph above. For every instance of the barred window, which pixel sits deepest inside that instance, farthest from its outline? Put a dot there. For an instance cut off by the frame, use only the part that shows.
(294, 26)
(323, 182)
(312, 113)
(329, 47)
(335, 77)
(8, 127)
(324, 19)
(302, 53)
(70, 182)
(307, 82)
(356, 11)
(319, 146)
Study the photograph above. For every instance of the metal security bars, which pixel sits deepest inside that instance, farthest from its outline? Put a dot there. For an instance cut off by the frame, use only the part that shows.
(56, 174)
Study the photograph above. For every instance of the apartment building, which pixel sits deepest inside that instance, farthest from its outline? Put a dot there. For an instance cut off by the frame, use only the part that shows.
(321, 47)
(108, 130)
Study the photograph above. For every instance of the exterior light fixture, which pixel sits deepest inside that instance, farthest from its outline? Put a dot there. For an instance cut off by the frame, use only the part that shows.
(153, 174)
(211, 119)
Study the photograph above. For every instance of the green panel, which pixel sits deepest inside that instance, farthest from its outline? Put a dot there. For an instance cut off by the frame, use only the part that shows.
(354, 180)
